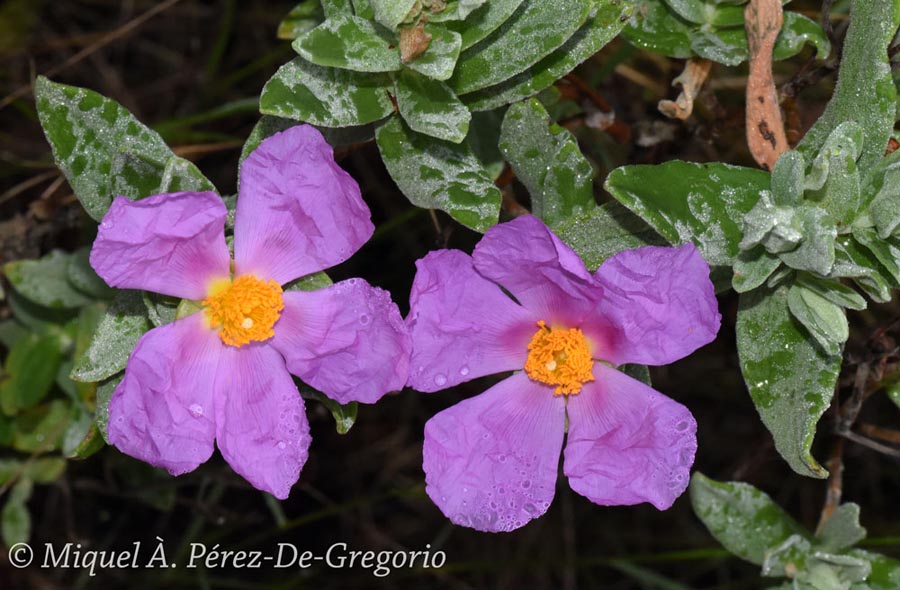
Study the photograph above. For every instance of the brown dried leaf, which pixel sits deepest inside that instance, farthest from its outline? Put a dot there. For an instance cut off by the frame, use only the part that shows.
(691, 80)
(413, 42)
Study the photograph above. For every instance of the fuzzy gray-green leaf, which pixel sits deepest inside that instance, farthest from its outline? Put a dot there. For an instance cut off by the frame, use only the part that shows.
(440, 175)
(330, 97)
(531, 34)
(430, 107)
(348, 42)
(791, 380)
(124, 323)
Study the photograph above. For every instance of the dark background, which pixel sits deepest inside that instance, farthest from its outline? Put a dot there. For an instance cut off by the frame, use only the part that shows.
(192, 71)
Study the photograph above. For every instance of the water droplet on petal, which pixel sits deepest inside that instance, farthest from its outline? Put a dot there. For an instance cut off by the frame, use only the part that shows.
(196, 410)
(364, 320)
(464, 370)
(282, 444)
(440, 379)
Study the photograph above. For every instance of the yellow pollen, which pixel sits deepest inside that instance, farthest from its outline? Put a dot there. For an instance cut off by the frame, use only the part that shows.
(244, 310)
(560, 357)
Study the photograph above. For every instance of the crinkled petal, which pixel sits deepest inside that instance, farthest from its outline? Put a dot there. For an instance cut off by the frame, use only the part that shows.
(297, 212)
(627, 442)
(347, 340)
(462, 325)
(172, 244)
(261, 425)
(541, 272)
(658, 305)
(163, 411)
(491, 461)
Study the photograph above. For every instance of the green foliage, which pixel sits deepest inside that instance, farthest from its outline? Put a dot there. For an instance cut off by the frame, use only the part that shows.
(435, 63)
(546, 158)
(714, 31)
(865, 91)
(124, 322)
(750, 525)
(604, 231)
(102, 149)
(790, 379)
(686, 202)
(440, 175)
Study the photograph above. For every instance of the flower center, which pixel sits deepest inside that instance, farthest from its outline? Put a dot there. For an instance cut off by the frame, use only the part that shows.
(560, 357)
(244, 309)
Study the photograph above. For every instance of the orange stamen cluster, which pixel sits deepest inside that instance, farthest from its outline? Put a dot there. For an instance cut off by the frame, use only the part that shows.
(244, 310)
(560, 357)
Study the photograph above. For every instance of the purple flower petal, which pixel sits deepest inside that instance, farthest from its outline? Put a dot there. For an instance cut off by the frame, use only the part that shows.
(661, 303)
(462, 325)
(543, 273)
(297, 212)
(347, 340)
(261, 425)
(163, 412)
(172, 244)
(627, 442)
(491, 461)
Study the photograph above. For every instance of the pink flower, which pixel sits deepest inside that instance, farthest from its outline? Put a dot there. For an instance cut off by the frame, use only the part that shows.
(223, 373)
(491, 461)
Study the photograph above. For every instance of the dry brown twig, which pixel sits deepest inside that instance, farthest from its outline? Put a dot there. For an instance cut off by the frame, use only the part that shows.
(765, 127)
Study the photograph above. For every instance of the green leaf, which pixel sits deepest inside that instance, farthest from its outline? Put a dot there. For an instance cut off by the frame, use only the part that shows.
(37, 317)
(842, 530)
(686, 202)
(439, 60)
(348, 42)
(325, 96)
(136, 175)
(484, 21)
(656, 28)
(391, 13)
(46, 281)
(483, 133)
(610, 18)
(695, 11)
(816, 251)
(30, 370)
(430, 107)
(742, 518)
(82, 276)
(86, 131)
(885, 571)
(528, 36)
(41, 429)
(790, 379)
(832, 290)
(336, 8)
(344, 415)
(122, 325)
(15, 523)
(302, 18)
(313, 282)
(752, 268)
(885, 251)
(105, 391)
(825, 321)
(787, 179)
(44, 469)
(161, 309)
(548, 161)
(853, 261)
(10, 332)
(82, 438)
(865, 90)
(363, 9)
(604, 231)
(440, 175)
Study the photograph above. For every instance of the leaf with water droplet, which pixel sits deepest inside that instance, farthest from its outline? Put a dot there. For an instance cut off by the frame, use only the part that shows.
(791, 380)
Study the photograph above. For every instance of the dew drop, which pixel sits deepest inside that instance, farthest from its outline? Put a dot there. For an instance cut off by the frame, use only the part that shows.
(364, 320)
(530, 508)
(682, 426)
(196, 410)
(282, 445)
(440, 379)
(464, 370)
